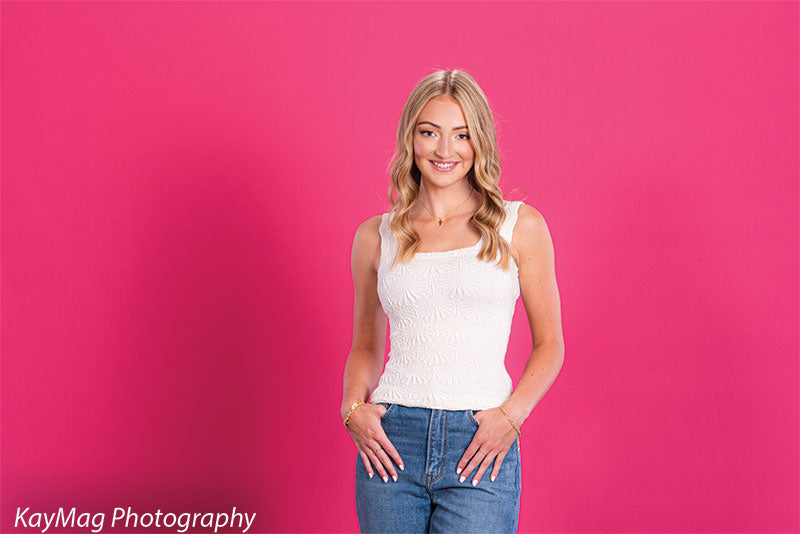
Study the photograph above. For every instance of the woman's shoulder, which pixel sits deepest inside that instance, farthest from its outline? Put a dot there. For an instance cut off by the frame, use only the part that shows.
(367, 238)
(526, 214)
(530, 232)
(372, 220)
(369, 227)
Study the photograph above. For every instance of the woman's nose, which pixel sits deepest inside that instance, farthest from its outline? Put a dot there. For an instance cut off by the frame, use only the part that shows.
(443, 150)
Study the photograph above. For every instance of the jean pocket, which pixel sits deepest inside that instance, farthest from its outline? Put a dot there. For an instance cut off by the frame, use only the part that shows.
(389, 409)
(471, 415)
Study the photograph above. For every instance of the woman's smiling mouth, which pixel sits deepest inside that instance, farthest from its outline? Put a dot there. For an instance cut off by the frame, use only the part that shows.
(443, 167)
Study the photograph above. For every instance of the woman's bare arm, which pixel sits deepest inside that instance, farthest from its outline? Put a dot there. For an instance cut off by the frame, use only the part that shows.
(365, 361)
(542, 302)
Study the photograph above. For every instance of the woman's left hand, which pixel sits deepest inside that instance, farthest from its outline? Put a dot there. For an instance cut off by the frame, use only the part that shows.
(494, 437)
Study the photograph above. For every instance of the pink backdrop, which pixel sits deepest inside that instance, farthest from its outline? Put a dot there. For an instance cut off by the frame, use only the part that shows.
(180, 186)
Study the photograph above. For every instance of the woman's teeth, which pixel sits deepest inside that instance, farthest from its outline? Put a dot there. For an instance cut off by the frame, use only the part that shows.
(441, 166)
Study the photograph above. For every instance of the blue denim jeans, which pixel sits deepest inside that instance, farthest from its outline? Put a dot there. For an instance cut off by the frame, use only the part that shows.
(427, 496)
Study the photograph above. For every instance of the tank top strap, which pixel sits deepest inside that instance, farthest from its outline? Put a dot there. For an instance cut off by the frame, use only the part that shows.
(512, 211)
(387, 237)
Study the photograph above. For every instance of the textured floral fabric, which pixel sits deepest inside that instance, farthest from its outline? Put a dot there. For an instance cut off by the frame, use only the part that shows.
(449, 319)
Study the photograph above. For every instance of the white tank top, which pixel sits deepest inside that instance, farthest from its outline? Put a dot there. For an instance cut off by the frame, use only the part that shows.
(449, 319)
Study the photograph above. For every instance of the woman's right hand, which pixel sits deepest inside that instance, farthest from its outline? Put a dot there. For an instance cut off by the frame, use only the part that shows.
(371, 441)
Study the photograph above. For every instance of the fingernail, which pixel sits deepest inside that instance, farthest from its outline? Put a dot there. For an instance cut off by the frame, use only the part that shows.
(493, 477)
(458, 471)
(385, 478)
(461, 479)
(370, 475)
(394, 477)
(474, 481)
(402, 467)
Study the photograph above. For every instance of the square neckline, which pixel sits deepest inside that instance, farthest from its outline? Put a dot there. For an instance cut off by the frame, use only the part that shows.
(437, 252)
(506, 205)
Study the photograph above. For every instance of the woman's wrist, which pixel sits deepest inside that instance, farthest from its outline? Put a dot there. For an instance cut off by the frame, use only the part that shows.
(352, 408)
(514, 413)
(346, 404)
(511, 420)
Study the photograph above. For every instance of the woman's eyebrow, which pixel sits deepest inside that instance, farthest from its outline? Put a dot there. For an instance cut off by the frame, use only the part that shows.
(437, 126)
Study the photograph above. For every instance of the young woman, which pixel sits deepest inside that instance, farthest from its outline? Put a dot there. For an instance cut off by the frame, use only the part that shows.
(446, 265)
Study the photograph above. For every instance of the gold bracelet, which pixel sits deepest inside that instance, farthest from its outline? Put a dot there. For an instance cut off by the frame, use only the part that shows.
(353, 407)
(516, 428)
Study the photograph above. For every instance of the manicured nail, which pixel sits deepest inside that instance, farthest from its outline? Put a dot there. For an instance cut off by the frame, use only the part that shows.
(370, 475)
(462, 479)
(385, 478)
(493, 477)
(458, 471)
(474, 481)
(394, 477)
(402, 467)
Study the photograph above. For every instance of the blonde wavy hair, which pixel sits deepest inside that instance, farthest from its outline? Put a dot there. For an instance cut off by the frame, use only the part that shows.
(483, 176)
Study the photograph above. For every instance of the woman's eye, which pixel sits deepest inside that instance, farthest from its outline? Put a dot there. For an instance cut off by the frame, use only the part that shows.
(424, 133)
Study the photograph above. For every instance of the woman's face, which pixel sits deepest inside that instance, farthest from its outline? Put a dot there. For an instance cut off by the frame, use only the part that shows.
(441, 136)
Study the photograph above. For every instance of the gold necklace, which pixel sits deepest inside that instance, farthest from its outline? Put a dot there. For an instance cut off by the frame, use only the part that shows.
(436, 216)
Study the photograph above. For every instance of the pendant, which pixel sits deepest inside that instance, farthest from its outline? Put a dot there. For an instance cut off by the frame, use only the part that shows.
(440, 222)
